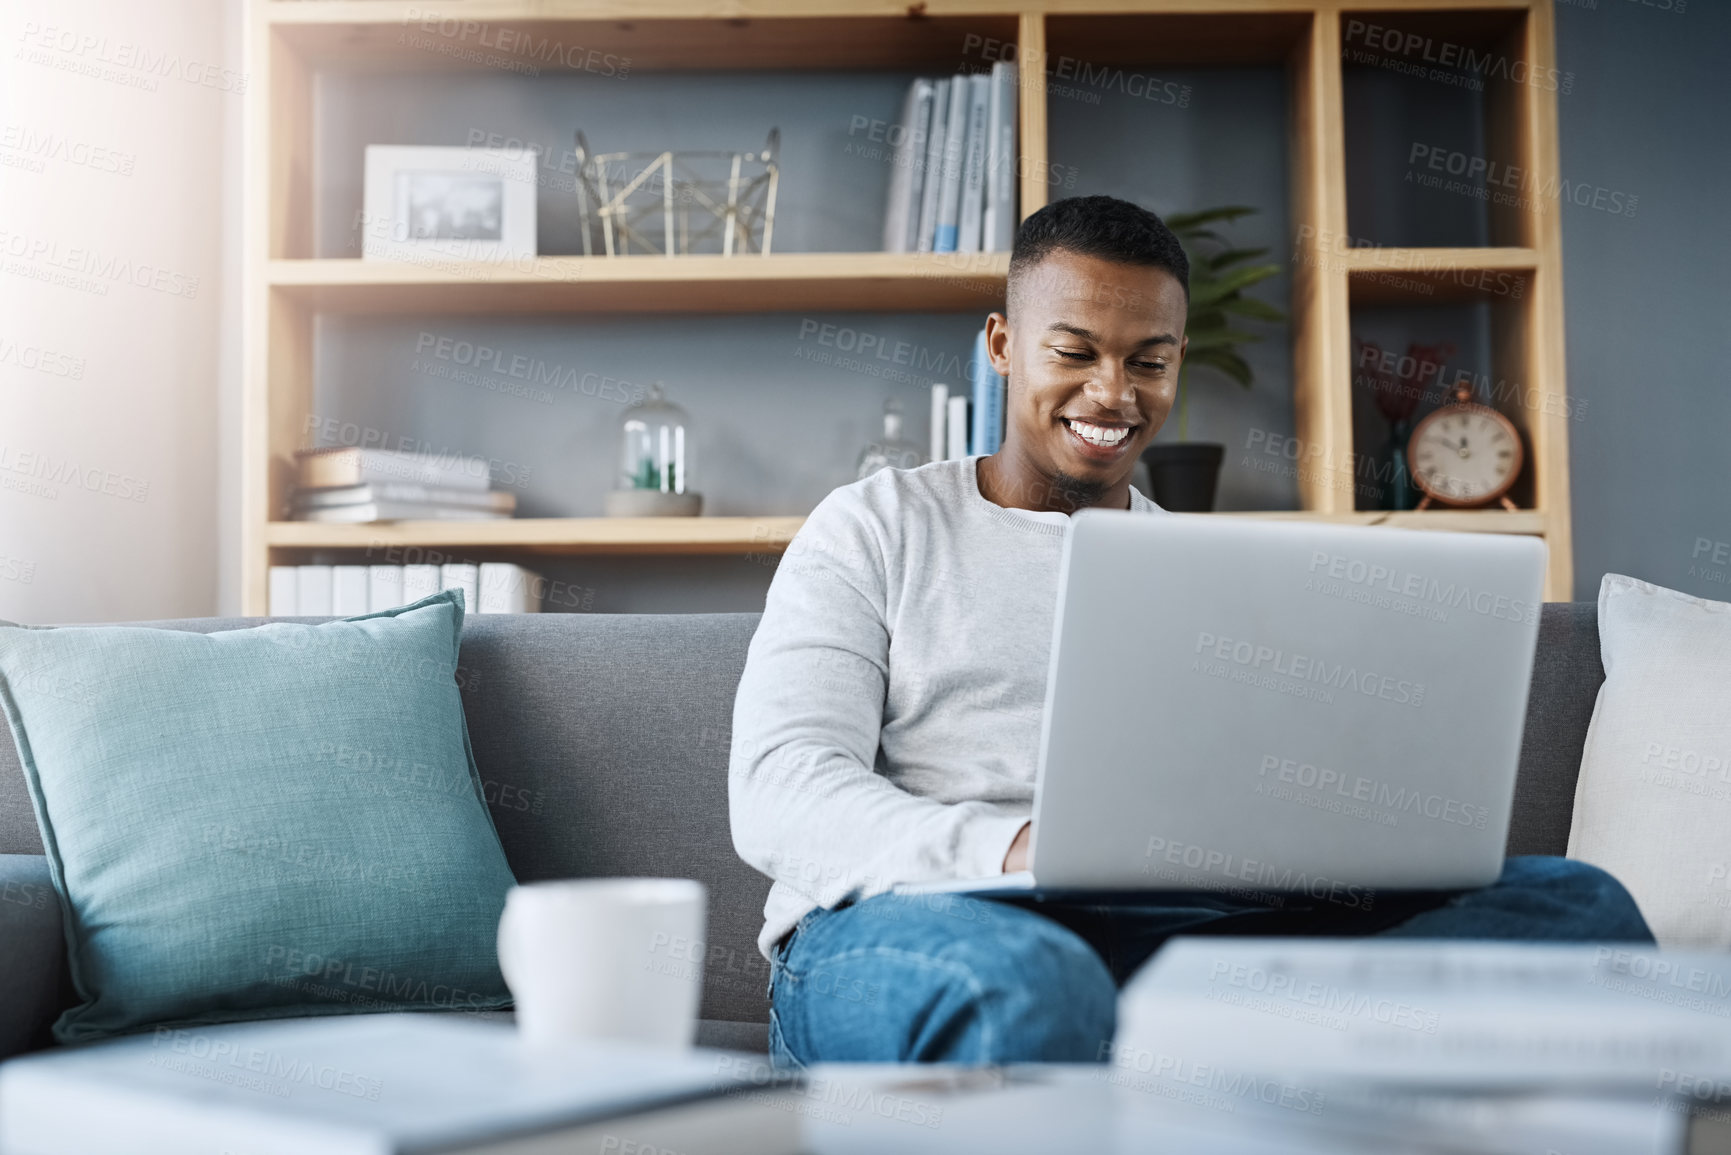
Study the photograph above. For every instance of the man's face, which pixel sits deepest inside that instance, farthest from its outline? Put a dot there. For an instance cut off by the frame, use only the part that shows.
(1091, 354)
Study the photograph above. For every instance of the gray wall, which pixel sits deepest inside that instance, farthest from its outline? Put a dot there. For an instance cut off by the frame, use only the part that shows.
(1648, 310)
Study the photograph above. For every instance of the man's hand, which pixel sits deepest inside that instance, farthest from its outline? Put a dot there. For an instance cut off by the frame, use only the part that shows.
(1017, 858)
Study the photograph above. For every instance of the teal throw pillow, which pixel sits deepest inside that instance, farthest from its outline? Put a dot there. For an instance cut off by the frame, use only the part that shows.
(260, 823)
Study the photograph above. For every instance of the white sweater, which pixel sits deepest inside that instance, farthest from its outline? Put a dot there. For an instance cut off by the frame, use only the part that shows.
(887, 725)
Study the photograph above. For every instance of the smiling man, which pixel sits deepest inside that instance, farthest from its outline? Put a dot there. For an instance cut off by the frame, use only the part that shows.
(887, 724)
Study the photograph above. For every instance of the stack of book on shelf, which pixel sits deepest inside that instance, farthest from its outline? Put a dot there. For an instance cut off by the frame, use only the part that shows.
(353, 484)
(971, 421)
(489, 587)
(953, 188)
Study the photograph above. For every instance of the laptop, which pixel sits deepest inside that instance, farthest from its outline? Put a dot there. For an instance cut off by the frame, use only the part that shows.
(1259, 708)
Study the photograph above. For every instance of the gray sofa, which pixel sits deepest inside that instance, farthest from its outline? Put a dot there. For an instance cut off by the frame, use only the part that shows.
(605, 740)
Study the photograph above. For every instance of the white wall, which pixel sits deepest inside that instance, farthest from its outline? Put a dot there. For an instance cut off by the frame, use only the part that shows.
(119, 126)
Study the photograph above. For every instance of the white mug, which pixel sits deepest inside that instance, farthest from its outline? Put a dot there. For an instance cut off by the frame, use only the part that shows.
(605, 958)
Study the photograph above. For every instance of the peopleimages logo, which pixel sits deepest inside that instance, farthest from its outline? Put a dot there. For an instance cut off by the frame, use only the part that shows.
(90, 269)
(289, 963)
(865, 346)
(1323, 996)
(1659, 972)
(211, 1054)
(1308, 669)
(1357, 788)
(46, 468)
(39, 145)
(1421, 50)
(521, 367)
(41, 360)
(1507, 184)
(1254, 872)
(102, 56)
(457, 35)
(1404, 583)
(1170, 1073)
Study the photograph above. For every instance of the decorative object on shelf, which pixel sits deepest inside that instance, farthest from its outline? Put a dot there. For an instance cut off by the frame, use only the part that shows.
(678, 202)
(1465, 454)
(466, 204)
(1184, 474)
(1397, 386)
(893, 450)
(652, 462)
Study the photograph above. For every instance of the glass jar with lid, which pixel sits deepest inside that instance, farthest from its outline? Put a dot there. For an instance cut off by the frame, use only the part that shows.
(892, 450)
(653, 478)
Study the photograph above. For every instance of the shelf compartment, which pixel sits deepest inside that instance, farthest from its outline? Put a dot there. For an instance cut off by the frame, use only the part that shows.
(1481, 343)
(1130, 40)
(870, 282)
(1399, 276)
(1438, 129)
(620, 39)
(550, 535)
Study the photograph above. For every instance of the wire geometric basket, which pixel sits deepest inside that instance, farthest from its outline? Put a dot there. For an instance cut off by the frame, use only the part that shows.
(695, 201)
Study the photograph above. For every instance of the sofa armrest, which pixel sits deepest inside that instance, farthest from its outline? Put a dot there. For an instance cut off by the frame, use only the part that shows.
(34, 982)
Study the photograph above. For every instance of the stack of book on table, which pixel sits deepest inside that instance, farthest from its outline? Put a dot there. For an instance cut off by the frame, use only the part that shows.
(953, 187)
(386, 1085)
(489, 587)
(354, 484)
(1600, 1049)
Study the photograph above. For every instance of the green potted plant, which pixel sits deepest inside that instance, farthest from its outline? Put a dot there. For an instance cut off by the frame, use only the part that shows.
(1184, 473)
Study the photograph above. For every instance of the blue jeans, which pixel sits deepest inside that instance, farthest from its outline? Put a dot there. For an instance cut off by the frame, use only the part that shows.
(943, 978)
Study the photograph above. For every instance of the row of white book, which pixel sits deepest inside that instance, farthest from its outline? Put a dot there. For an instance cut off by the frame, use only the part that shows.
(964, 423)
(345, 590)
(953, 185)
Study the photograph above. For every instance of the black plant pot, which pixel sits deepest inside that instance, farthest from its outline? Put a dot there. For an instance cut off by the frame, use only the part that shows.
(1184, 474)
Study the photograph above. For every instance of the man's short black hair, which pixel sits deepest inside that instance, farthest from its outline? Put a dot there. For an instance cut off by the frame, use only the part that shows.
(1104, 227)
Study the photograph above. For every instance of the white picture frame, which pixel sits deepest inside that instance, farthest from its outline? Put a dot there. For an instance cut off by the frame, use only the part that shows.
(461, 204)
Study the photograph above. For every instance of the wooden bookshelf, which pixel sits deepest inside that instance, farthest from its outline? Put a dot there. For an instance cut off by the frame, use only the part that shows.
(1397, 276)
(614, 536)
(289, 42)
(551, 535)
(900, 282)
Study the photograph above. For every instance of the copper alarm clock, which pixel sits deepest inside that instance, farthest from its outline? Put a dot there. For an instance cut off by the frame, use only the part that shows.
(1465, 454)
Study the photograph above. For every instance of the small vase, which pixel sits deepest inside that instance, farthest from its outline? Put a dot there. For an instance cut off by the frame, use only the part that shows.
(1401, 493)
(892, 451)
(1184, 474)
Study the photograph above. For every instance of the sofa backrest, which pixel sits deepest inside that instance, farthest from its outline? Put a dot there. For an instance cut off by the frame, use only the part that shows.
(603, 743)
(1567, 674)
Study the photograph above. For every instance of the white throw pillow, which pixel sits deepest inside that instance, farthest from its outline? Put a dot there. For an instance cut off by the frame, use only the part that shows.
(1653, 805)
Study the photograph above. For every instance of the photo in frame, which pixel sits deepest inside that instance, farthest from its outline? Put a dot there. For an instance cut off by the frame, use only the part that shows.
(459, 203)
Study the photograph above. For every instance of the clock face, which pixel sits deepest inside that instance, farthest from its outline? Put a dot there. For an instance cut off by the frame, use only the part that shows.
(1465, 455)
